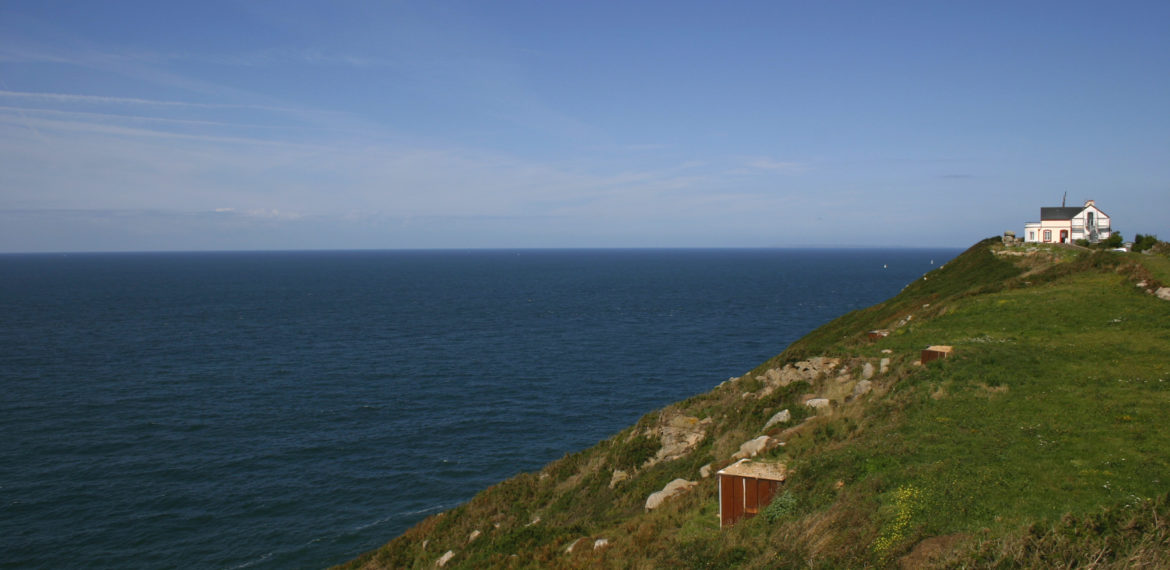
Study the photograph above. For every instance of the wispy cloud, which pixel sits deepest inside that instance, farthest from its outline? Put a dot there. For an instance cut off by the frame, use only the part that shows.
(763, 163)
(104, 100)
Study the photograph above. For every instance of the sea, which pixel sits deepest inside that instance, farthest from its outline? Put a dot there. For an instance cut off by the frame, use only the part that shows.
(296, 409)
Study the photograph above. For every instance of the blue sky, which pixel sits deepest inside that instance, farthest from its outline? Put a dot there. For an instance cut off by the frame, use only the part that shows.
(334, 125)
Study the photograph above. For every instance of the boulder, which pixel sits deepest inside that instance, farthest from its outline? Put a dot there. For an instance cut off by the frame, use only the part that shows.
(600, 543)
(754, 447)
(818, 403)
(474, 535)
(569, 548)
(1163, 293)
(884, 366)
(670, 490)
(782, 416)
(705, 471)
(445, 558)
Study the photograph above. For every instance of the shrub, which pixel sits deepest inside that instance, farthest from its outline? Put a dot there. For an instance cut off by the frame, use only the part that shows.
(782, 506)
(1142, 243)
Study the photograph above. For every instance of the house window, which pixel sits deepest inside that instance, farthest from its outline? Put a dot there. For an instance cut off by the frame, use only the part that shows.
(1047, 235)
(1031, 236)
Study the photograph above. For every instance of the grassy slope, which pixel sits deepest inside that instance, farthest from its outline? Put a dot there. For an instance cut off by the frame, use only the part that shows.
(1039, 442)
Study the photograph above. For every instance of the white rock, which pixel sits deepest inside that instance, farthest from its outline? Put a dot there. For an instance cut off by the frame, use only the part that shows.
(753, 447)
(445, 558)
(818, 403)
(1163, 293)
(885, 365)
(705, 471)
(670, 490)
(569, 549)
(779, 417)
(474, 535)
(600, 543)
(867, 371)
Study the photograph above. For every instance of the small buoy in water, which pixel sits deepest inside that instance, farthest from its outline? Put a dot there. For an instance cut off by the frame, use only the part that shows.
(884, 266)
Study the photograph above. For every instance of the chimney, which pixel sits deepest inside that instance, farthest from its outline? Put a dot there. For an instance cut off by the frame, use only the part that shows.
(1089, 203)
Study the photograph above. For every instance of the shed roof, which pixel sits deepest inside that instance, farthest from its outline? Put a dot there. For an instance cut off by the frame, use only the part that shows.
(940, 348)
(756, 469)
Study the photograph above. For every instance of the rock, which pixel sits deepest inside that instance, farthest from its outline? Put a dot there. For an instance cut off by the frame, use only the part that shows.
(535, 520)
(1141, 284)
(670, 490)
(862, 387)
(805, 370)
(474, 535)
(754, 447)
(885, 366)
(779, 417)
(600, 543)
(445, 558)
(818, 403)
(618, 477)
(679, 435)
(867, 371)
(887, 351)
(1163, 293)
(705, 471)
(569, 548)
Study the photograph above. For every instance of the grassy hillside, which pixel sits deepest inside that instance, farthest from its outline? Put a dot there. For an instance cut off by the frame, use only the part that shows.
(1040, 442)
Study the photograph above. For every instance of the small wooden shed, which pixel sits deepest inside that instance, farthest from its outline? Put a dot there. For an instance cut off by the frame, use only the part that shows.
(877, 334)
(932, 353)
(746, 487)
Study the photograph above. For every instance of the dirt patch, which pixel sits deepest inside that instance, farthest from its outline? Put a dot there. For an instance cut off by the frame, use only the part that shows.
(930, 551)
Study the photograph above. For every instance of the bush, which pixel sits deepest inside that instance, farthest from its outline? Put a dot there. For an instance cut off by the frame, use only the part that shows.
(1142, 243)
(782, 506)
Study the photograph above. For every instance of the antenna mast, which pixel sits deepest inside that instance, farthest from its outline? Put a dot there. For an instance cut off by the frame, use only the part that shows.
(1063, 198)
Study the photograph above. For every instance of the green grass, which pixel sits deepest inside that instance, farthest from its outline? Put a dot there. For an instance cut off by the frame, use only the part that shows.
(1040, 441)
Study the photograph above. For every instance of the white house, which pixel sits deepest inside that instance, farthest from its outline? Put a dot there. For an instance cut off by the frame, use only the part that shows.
(1068, 224)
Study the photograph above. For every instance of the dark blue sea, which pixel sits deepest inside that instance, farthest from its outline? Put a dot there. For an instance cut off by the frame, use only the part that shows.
(295, 409)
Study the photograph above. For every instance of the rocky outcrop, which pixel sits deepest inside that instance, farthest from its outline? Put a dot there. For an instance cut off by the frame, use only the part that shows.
(679, 435)
(818, 403)
(754, 447)
(673, 488)
(445, 558)
(1163, 293)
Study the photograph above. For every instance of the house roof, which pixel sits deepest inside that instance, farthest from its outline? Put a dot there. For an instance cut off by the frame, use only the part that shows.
(756, 469)
(1060, 212)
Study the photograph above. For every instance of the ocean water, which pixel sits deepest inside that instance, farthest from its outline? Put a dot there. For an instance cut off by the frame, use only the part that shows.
(294, 409)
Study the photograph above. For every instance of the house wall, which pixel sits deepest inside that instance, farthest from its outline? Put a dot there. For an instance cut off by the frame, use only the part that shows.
(1077, 227)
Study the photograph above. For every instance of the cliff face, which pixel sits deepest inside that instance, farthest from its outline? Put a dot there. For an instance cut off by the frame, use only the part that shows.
(1036, 441)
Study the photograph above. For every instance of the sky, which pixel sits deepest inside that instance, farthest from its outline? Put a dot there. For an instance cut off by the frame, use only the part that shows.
(259, 125)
